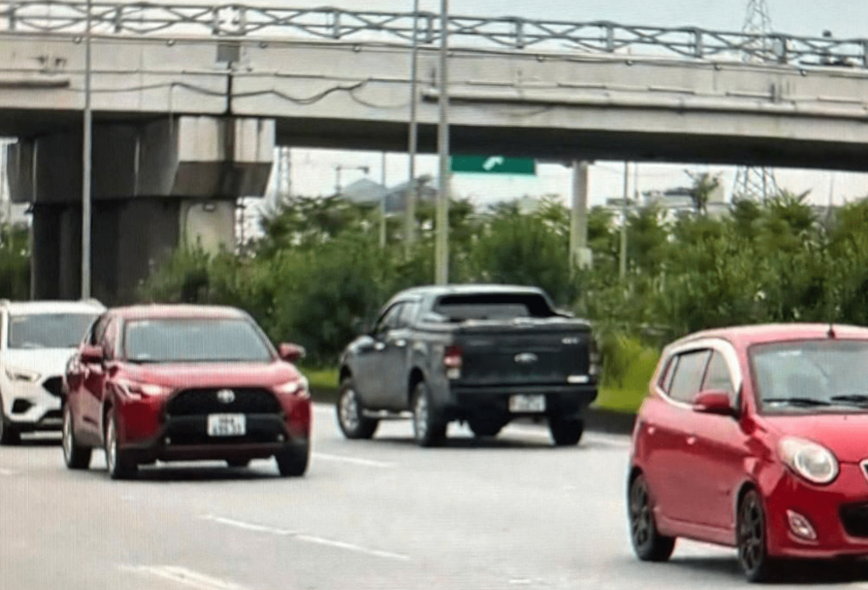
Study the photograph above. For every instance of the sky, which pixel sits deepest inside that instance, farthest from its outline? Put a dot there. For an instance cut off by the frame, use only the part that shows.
(313, 171)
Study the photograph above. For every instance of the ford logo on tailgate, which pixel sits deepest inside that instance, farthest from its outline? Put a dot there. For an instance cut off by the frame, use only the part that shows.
(526, 358)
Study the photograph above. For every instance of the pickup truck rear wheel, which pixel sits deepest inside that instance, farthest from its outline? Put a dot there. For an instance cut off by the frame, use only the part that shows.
(429, 428)
(566, 432)
(350, 411)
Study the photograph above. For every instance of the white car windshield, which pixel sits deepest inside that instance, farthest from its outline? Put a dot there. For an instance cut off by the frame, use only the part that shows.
(47, 330)
(194, 340)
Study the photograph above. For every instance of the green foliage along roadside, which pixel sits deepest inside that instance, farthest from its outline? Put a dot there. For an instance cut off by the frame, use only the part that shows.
(319, 273)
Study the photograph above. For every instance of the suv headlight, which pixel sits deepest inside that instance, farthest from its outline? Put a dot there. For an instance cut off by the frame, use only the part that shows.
(137, 390)
(812, 461)
(22, 375)
(295, 387)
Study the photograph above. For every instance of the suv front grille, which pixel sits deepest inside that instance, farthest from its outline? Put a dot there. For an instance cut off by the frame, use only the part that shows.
(195, 402)
(54, 386)
(854, 517)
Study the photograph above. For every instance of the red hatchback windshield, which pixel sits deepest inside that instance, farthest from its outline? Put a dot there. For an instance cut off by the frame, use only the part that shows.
(811, 375)
(179, 340)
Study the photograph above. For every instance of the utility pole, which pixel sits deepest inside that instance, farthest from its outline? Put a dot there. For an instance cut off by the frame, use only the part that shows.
(383, 204)
(86, 162)
(441, 256)
(756, 183)
(579, 252)
(410, 204)
(622, 267)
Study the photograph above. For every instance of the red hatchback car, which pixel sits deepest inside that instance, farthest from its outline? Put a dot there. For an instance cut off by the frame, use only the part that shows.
(181, 383)
(756, 438)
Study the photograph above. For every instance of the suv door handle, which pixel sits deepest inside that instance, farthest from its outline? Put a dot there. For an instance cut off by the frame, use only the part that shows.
(400, 343)
(379, 346)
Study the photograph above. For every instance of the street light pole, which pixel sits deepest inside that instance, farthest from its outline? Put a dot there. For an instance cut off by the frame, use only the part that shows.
(410, 205)
(441, 257)
(383, 204)
(623, 258)
(86, 163)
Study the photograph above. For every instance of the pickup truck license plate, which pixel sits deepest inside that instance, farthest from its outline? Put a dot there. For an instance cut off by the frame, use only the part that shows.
(527, 403)
(227, 424)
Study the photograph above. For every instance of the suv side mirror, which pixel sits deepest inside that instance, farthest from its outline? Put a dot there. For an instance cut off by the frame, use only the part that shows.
(714, 402)
(291, 353)
(92, 354)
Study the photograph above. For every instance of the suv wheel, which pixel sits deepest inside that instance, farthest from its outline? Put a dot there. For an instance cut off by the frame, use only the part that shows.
(566, 432)
(292, 461)
(118, 462)
(8, 434)
(75, 456)
(351, 418)
(429, 428)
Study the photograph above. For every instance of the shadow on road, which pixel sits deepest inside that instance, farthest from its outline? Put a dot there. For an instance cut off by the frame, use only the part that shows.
(467, 442)
(36, 441)
(210, 473)
(791, 572)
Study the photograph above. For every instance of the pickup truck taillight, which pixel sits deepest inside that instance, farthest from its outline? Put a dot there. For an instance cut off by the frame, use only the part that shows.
(452, 360)
(595, 358)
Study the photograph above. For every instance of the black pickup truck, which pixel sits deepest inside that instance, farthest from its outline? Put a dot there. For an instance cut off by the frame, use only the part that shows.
(481, 354)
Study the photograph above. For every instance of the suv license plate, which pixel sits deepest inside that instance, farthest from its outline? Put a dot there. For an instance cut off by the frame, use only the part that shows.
(227, 425)
(527, 403)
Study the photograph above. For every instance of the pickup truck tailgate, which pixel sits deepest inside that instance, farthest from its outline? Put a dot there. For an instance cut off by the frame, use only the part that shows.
(527, 352)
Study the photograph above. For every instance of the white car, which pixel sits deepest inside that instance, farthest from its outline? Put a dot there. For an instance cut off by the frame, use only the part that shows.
(37, 338)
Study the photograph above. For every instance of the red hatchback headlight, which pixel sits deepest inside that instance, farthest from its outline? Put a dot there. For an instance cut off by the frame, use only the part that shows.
(811, 460)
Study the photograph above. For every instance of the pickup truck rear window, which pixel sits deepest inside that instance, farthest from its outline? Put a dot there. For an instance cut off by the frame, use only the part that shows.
(458, 308)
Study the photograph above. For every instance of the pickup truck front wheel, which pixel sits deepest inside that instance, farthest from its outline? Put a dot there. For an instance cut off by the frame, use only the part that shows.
(566, 432)
(351, 418)
(429, 428)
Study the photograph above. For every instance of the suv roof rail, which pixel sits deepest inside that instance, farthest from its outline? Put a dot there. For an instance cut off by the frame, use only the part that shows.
(5, 301)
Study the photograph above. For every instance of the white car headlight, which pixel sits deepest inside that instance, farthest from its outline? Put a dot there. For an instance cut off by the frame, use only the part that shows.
(22, 375)
(810, 460)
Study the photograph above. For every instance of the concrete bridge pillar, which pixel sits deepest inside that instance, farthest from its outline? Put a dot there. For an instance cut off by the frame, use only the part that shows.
(156, 185)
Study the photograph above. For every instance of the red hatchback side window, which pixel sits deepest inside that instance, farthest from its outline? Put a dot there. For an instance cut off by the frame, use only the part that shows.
(687, 377)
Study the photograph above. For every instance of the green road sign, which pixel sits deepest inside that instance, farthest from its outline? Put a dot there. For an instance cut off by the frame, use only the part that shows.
(493, 165)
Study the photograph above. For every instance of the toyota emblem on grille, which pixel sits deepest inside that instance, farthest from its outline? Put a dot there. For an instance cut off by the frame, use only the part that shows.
(226, 396)
(526, 358)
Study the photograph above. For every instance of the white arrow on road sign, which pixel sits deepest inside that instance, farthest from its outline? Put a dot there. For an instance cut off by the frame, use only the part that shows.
(493, 161)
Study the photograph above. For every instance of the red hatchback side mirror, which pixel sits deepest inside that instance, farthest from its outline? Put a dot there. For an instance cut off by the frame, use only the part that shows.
(291, 353)
(92, 354)
(713, 402)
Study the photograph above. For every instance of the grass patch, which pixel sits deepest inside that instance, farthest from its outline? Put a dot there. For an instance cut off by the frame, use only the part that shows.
(626, 394)
(323, 383)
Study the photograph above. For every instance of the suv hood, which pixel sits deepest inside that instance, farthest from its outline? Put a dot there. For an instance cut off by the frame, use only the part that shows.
(45, 361)
(194, 375)
(846, 435)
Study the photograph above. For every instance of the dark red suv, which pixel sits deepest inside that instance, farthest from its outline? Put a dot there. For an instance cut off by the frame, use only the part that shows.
(182, 383)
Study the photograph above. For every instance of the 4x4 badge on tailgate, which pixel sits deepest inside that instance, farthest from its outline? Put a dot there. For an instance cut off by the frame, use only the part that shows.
(526, 358)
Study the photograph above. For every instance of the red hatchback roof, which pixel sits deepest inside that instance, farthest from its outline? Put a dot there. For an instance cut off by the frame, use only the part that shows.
(744, 336)
(168, 311)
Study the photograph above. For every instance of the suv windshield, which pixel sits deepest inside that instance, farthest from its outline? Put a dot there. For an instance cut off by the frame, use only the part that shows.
(48, 330)
(194, 340)
(811, 374)
(493, 307)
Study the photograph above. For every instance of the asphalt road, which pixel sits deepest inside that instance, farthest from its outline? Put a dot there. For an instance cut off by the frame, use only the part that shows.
(512, 512)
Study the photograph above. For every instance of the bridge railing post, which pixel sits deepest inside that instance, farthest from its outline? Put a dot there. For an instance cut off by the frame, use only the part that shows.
(12, 17)
(119, 19)
(610, 38)
(782, 49)
(518, 25)
(865, 53)
(336, 24)
(698, 44)
(215, 20)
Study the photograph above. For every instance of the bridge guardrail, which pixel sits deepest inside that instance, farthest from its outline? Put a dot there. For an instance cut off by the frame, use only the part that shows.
(513, 33)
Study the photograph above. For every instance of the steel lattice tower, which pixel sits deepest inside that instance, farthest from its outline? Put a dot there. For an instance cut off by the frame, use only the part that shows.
(752, 182)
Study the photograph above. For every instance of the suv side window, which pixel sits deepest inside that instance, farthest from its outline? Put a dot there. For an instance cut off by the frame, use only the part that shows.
(717, 376)
(687, 378)
(408, 314)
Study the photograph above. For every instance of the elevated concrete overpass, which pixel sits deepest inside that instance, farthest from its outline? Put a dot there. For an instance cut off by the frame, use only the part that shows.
(190, 101)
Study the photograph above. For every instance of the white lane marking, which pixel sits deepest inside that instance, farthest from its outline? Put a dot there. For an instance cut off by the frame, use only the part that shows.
(353, 460)
(185, 577)
(248, 526)
(352, 547)
(7, 472)
(305, 537)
